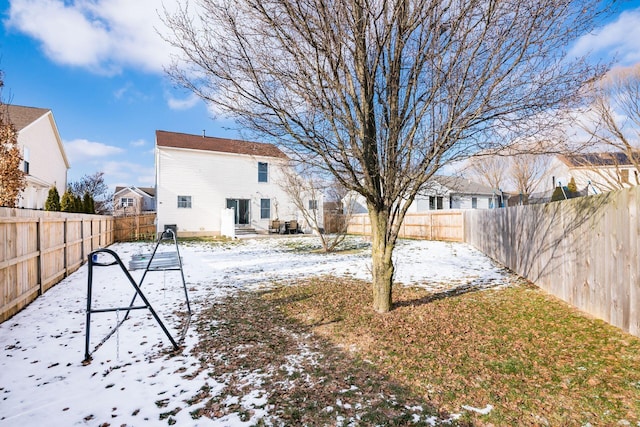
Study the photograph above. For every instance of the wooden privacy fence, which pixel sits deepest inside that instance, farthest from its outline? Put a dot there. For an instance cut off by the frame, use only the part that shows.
(585, 251)
(444, 225)
(135, 227)
(38, 249)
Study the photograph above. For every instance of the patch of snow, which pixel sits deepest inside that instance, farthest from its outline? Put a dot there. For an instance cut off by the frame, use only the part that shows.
(482, 411)
(132, 380)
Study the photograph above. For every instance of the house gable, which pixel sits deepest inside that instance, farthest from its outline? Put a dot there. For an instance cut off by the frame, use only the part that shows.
(22, 118)
(44, 159)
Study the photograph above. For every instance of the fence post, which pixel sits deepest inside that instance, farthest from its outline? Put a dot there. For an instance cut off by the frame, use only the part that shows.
(82, 239)
(40, 238)
(65, 230)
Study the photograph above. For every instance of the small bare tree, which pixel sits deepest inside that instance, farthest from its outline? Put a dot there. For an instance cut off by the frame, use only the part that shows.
(306, 190)
(490, 169)
(528, 171)
(12, 178)
(383, 93)
(613, 123)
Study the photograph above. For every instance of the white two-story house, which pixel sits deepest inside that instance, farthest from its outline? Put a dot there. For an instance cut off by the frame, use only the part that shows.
(45, 162)
(199, 177)
(594, 172)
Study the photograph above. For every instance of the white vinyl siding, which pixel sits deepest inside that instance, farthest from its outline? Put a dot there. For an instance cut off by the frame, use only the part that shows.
(210, 178)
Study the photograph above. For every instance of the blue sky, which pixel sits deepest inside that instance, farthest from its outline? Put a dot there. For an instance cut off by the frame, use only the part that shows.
(98, 65)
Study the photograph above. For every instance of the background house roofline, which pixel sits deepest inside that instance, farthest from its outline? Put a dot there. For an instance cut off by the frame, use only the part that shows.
(215, 144)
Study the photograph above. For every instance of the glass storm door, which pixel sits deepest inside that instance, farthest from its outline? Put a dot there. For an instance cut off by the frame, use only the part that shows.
(241, 209)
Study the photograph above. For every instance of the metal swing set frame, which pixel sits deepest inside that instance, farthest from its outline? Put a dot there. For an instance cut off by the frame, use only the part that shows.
(155, 261)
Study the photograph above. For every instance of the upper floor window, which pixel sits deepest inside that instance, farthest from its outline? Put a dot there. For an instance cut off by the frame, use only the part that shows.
(263, 172)
(184, 201)
(126, 201)
(624, 176)
(474, 203)
(313, 205)
(25, 160)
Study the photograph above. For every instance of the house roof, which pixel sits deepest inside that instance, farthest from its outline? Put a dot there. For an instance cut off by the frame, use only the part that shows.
(460, 185)
(223, 145)
(20, 116)
(151, 191)
(599, 159)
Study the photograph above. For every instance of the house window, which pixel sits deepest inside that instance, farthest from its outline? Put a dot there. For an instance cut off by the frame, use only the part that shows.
(432, 203)
(439, 201)
(25, 160)
(184, 201)
(126, 201)
(263, 172)
(474, 203)
(490, 202)
(313, 205)
(265, 208)
(624, 176)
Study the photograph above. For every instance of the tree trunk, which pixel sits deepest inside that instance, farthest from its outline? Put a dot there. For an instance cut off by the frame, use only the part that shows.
(381, 251)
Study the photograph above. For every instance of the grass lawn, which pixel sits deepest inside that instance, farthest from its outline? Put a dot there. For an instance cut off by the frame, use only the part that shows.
(511, 356)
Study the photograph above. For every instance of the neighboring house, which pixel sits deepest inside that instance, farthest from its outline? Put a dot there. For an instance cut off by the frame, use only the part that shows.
(198, 177)
(134, 200)
(451, 192)
(446, 192)
(45, 162)
(596, 172)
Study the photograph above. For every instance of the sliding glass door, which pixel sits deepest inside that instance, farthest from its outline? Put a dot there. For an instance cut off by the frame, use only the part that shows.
(242, 210)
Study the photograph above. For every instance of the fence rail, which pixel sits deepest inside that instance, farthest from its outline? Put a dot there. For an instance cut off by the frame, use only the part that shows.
(38, 249)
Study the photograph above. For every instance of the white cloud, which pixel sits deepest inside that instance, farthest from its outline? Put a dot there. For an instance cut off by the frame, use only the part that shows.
(81, 150)
(101, 35)
(619, 38)
(128, 173)
(138, 143)
(182, 104)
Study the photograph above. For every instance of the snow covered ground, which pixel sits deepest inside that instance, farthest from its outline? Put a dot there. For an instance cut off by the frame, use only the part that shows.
(132, 379)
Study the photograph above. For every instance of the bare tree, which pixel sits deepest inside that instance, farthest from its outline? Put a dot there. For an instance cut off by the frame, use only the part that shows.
(12, 178)
(97, 189)
(613, 123)
(383, 93)
(491, 170)
(306, 189)
(527, 171)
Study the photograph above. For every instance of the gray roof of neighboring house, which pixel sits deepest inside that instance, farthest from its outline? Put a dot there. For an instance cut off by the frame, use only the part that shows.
(151, 191)
(599, 159)
(223, 145)
(460, 185)
(20, 116)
